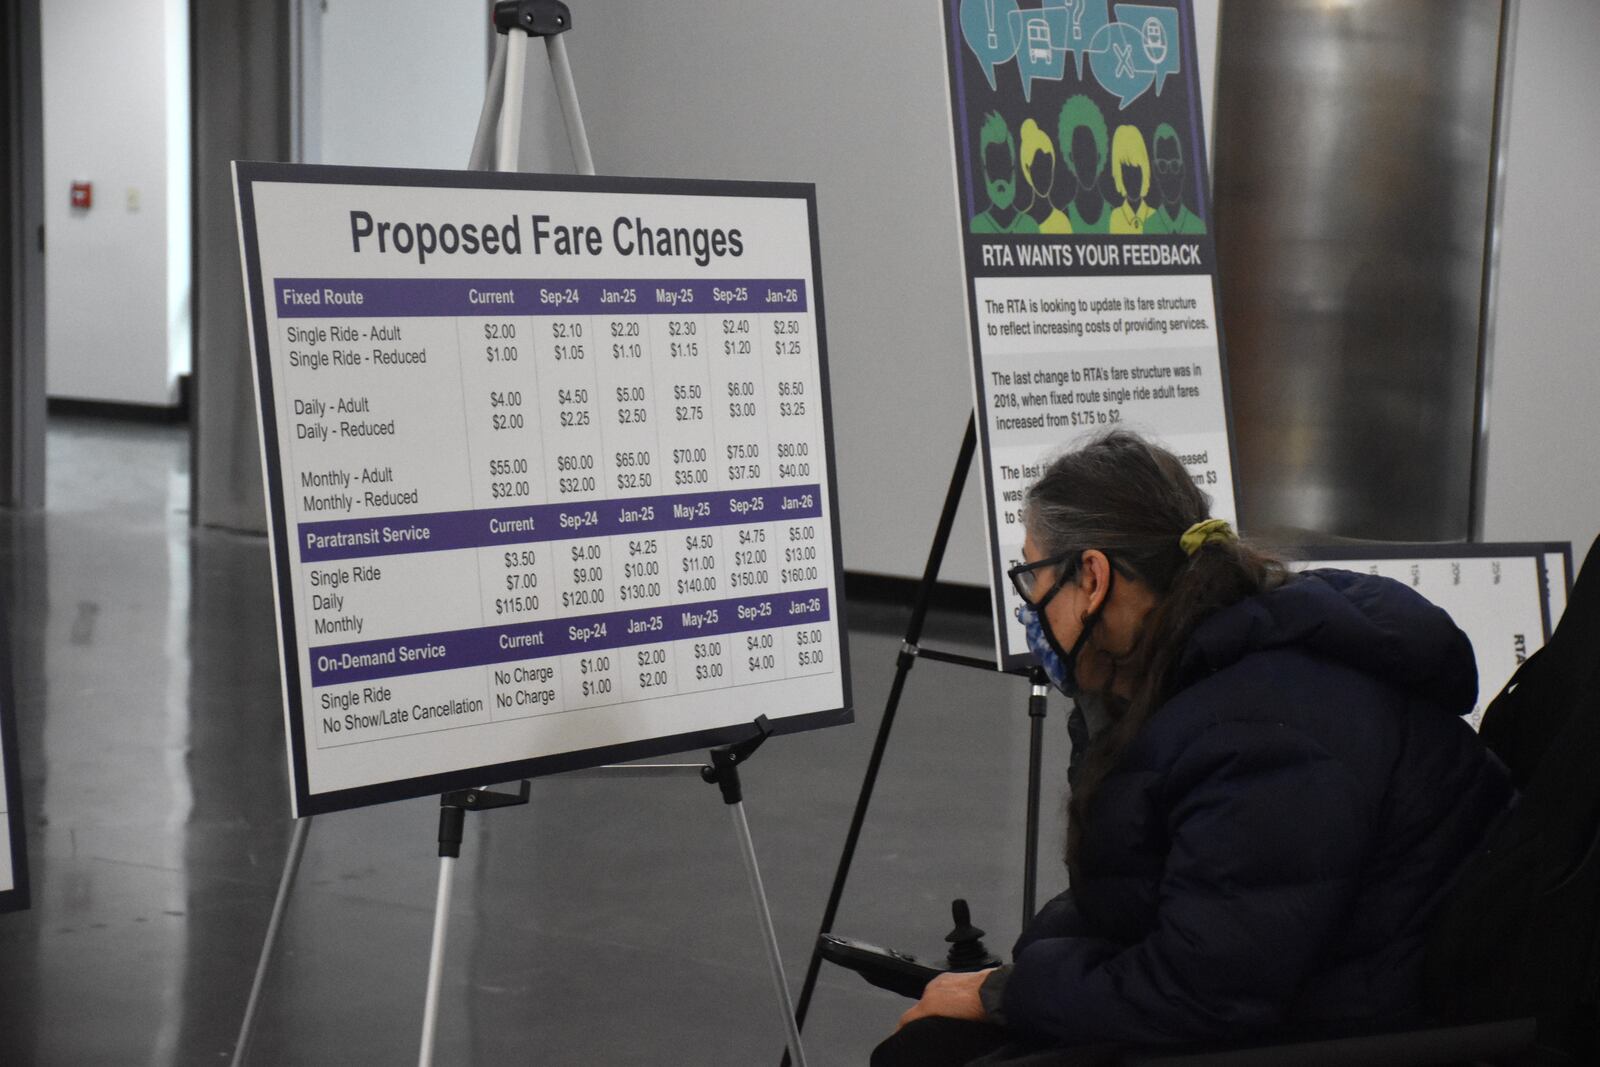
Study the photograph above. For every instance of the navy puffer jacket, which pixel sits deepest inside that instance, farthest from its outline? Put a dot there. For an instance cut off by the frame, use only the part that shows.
(1268, 852)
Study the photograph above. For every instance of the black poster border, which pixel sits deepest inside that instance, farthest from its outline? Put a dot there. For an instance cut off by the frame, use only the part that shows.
(19, 896)
(246, 175)
(970, 261)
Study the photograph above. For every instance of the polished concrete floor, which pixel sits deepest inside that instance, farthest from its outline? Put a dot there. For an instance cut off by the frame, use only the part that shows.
(607, 923)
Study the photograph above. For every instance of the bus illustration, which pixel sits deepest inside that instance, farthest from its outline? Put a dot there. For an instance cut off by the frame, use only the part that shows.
(1039, 40)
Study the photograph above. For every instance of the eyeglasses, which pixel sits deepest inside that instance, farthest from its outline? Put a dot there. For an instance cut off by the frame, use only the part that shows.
(1025, 577)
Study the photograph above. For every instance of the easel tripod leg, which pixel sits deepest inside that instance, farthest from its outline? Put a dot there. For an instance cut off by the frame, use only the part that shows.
(493, 94)
(453, 807)
(741, 830)
(1040, 693)
(441, 926)
(291, 869)
(567, 93)
(508, 142)
(919, 614)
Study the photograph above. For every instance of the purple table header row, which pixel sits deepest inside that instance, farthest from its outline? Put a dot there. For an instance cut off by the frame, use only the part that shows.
(364, 661)
(488, 527)
(331, 298)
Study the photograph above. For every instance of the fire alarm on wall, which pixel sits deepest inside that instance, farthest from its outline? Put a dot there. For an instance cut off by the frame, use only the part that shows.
(83, 194)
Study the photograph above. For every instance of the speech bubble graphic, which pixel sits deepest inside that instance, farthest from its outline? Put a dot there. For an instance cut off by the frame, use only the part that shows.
(1158, 30)
(986, 26)
(1040, 34)
(1085, 19)
(1117, 58)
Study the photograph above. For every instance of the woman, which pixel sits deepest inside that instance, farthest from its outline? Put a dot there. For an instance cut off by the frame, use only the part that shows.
(1280, 789)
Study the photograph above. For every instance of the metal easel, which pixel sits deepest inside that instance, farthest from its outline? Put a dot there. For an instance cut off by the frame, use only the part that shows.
(495, 147)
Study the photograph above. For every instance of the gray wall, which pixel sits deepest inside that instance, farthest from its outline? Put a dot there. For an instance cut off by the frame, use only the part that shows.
(366, 104)
(1544, 385)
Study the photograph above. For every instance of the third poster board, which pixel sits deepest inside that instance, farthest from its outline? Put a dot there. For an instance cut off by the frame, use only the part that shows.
(1086, 240)
(1506, 597)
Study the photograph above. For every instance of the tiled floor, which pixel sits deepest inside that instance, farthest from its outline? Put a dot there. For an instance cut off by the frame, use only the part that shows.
(607, 923)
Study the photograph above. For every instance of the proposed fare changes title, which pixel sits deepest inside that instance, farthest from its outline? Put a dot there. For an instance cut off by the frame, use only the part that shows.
(630, 236)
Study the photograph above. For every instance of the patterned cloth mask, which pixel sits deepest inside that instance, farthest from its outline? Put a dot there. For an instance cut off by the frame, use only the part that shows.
(1058, 667)
(1063, 675)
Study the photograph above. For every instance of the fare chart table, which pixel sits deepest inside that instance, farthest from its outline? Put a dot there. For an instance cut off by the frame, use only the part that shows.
(582, 510)
(596, 506)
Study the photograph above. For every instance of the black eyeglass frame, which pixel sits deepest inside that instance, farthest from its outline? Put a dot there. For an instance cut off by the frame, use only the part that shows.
(1015, 574)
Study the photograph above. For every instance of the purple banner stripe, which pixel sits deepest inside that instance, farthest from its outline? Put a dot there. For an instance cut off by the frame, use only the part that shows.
(423, 653)
(333, 298)
(444, 530)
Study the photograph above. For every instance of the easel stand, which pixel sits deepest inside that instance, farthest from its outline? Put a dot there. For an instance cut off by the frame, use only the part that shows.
(291, 870)
(911, 650)
(495, 147)
(453, 808)
(723, 772)
(499, 135)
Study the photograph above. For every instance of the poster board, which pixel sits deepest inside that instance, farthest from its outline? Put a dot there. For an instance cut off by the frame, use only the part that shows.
(13, 839)
(1500, 594)
(1090, 270)
(549, 470)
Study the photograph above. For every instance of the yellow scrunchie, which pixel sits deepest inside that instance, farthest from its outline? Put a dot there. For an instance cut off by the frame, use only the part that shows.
(1204, 532)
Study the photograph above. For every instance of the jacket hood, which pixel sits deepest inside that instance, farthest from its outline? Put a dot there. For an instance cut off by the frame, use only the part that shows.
(1376, 625)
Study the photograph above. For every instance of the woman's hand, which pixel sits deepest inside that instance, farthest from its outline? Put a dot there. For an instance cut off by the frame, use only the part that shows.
(953, 995)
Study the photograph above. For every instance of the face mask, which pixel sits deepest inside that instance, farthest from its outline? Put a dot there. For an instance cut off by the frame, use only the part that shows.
(1043, 648)
(1060, 666)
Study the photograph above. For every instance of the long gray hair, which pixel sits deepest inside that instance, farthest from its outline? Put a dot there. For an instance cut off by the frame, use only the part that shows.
(1133, 500)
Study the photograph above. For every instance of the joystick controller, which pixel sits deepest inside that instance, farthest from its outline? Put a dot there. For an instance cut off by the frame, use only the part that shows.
(905, 974)
(967, 950)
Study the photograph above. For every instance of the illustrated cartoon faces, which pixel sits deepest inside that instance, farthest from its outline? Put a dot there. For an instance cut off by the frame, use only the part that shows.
(1081, 132)
(999, 161)
(1038, 160)
(1117, 185)
(1039, 171)
(1130, 165)
(997, 151)
(1168, 164)
(1173, 216)
(1130, 171)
